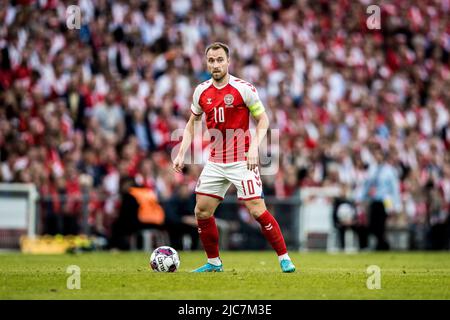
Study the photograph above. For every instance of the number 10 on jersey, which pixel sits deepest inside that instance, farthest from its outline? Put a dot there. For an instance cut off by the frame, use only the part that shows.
(219, 114)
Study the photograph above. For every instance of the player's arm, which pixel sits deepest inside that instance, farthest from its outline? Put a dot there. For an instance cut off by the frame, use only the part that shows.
(178, 163)
(262, 124)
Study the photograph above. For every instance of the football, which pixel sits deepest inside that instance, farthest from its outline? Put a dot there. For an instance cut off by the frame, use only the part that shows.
(164, 259)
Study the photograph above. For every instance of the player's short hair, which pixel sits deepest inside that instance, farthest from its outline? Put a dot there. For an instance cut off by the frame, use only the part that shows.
(216, 46)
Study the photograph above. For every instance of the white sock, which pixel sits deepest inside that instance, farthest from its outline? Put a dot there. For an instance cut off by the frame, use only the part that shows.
(215, 261)
(284, 257)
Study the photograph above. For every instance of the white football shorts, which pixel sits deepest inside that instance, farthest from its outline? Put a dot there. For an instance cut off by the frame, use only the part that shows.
(216, 178)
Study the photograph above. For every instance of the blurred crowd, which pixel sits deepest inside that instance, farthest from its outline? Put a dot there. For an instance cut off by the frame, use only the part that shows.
(80, 110)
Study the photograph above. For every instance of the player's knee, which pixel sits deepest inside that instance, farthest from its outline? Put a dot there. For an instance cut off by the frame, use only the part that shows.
(202, 213)
(256, 207)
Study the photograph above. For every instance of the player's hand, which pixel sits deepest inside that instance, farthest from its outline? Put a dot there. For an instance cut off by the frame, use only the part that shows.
(178, 163)
(252, 158)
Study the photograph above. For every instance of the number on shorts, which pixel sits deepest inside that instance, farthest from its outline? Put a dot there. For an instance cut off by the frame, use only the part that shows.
(250, 187)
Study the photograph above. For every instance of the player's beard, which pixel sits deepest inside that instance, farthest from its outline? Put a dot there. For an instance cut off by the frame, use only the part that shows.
(219, 76)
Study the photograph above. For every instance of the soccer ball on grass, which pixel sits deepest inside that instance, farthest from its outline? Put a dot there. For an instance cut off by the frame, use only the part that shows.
(164, 259)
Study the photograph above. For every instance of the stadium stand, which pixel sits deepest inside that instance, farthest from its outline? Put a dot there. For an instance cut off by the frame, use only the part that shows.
(82, 109)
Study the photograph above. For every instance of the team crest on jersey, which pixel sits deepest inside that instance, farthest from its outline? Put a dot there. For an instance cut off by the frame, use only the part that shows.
(209, 101)
(228, 99)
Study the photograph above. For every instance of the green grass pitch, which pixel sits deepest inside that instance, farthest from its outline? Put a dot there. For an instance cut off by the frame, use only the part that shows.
(248, 275)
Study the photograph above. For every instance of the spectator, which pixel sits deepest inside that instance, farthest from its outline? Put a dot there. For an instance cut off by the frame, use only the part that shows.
(127, 221)
(345, 217)
(179, 219)
(437, 219)
(110, 118)
(139, 126)
(382, 193)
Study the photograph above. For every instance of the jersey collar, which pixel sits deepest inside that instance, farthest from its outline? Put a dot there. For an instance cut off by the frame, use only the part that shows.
(229, 79)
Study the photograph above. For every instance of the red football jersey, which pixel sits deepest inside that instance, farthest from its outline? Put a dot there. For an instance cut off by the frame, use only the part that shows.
(227, 112)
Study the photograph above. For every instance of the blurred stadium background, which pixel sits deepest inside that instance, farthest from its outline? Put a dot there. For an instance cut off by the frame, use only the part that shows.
(86, 117)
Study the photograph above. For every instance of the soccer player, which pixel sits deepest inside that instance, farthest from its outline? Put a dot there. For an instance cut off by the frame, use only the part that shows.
(227, 102)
